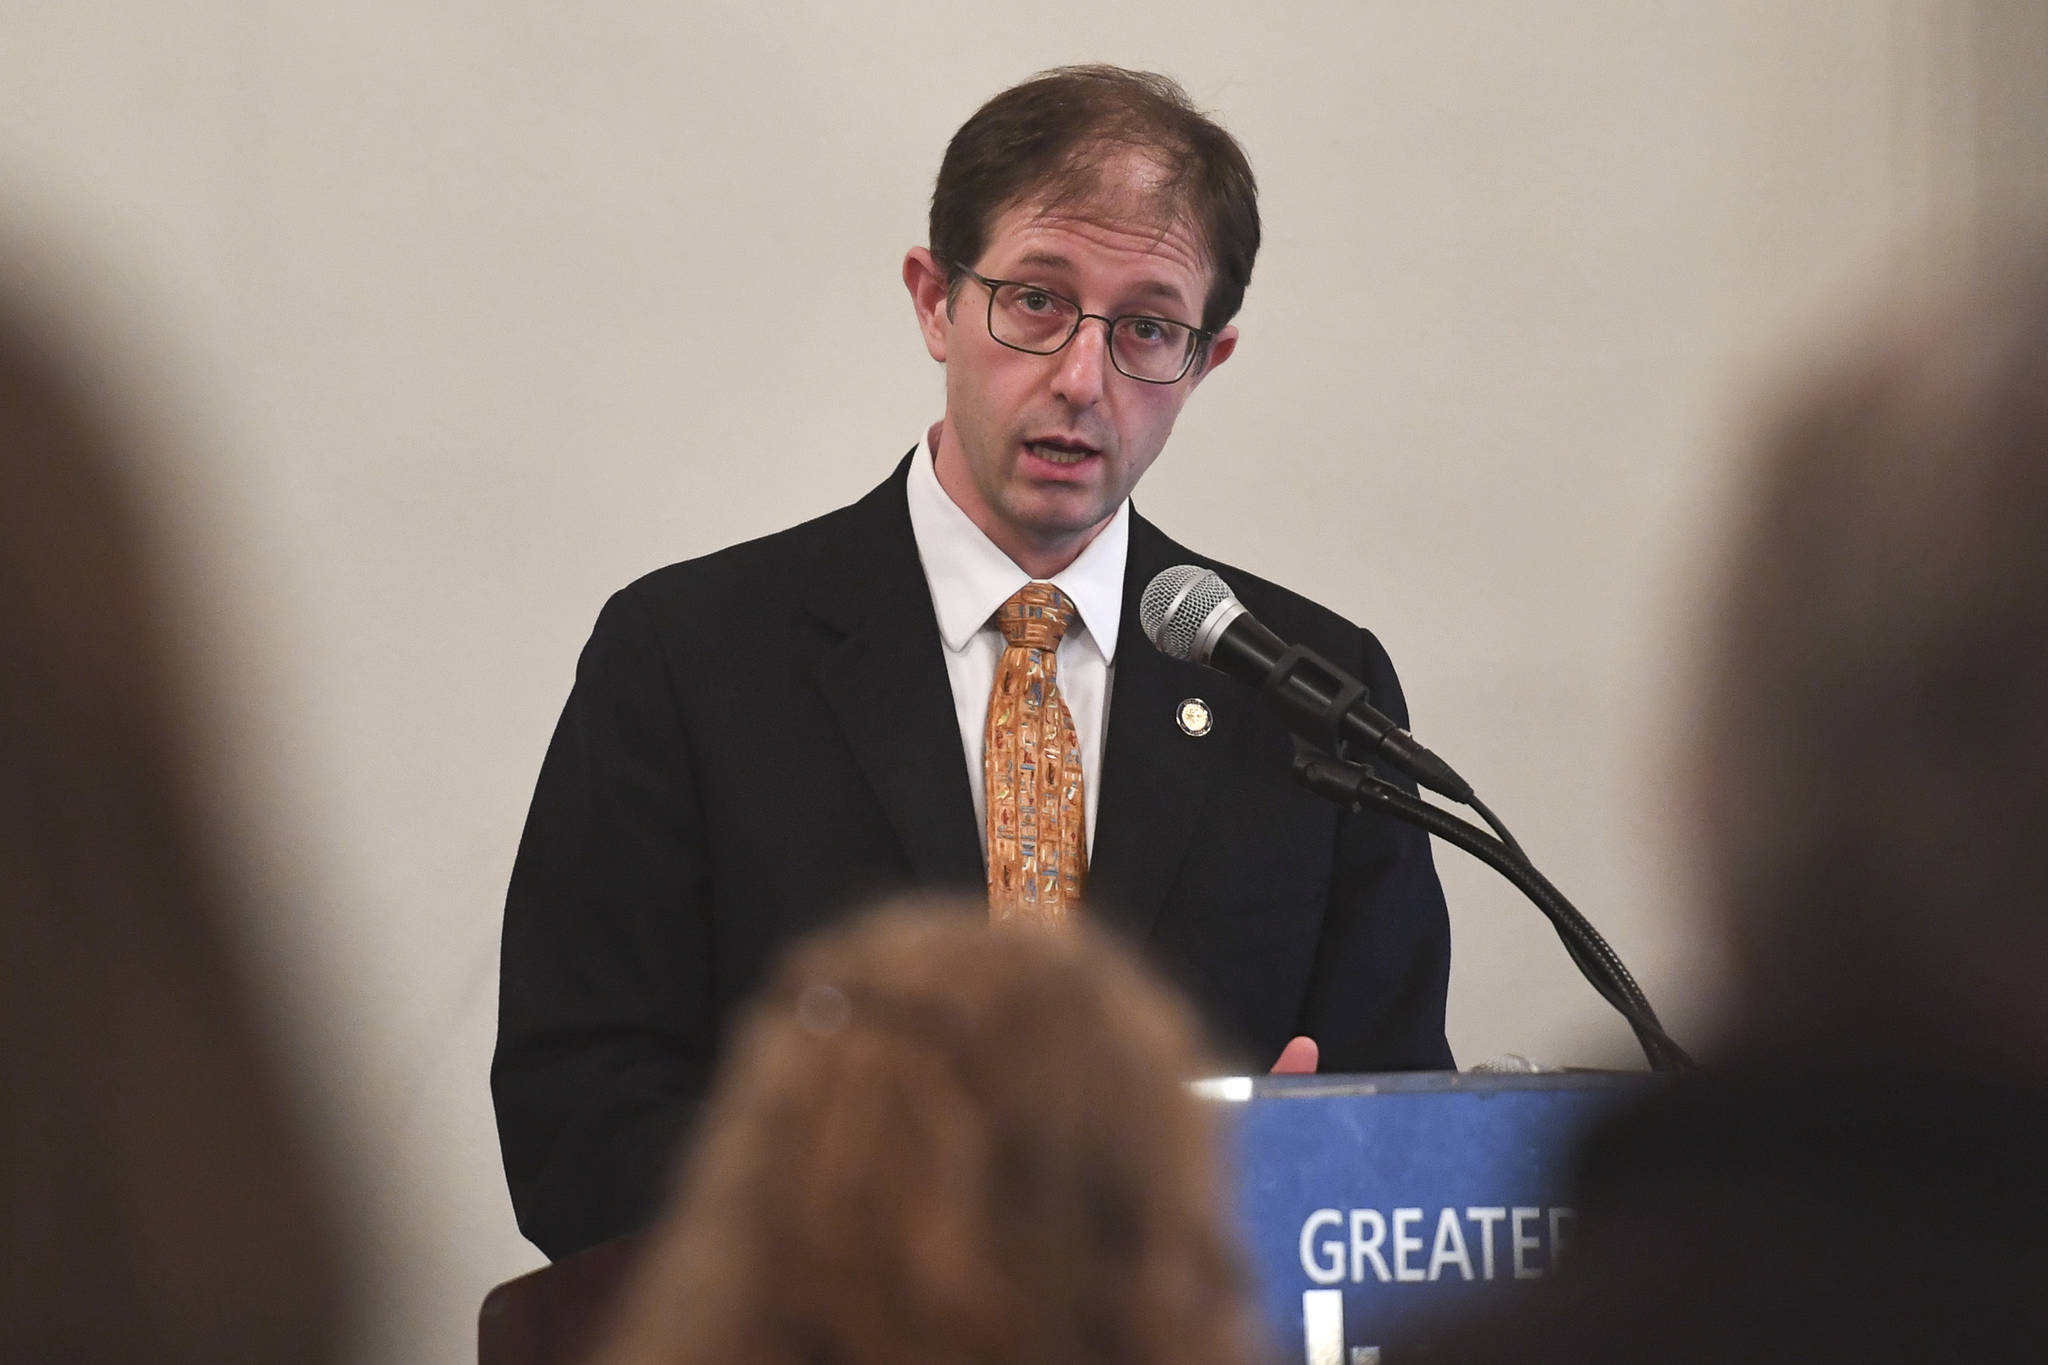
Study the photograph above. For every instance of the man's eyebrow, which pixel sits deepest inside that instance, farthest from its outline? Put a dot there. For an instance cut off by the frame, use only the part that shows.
(1160, 289)
(1153, 288)
(1050, 260)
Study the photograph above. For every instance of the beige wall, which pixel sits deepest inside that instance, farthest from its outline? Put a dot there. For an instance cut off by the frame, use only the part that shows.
(459, 315)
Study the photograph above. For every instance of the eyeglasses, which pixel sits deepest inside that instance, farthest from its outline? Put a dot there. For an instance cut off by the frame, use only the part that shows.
(1027, 318)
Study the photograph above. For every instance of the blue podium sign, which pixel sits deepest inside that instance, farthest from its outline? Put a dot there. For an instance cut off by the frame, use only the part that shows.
(1368, 1200)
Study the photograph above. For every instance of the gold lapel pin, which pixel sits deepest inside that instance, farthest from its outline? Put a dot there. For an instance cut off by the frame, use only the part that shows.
(1194, 718)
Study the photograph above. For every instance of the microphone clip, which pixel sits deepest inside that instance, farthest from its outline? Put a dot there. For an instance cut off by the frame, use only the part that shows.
(1325, 727)
(1337, 778)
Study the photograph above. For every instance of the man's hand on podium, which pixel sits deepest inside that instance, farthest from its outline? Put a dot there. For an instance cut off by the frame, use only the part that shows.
(1298, 1058)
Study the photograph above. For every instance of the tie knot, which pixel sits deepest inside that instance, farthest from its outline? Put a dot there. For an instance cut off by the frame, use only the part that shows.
(1035, 617)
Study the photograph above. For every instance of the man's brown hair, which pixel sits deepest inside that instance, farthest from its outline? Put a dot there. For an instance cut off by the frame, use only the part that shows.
(940, 1144)
(1053, 140)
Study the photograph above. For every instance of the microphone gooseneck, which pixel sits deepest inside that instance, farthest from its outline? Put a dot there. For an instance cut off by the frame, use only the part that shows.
(1189, 613)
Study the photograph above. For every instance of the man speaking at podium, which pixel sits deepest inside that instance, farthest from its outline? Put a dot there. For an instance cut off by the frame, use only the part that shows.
(945, 686)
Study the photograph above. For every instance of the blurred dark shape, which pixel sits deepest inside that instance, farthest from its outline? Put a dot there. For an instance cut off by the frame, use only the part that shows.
(1857, 1178)
(558, 1314)
(1875, 739)
(155, 1203)
(937, 1143)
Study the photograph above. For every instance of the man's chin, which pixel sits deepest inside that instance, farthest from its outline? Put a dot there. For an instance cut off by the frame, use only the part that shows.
(1058, 521)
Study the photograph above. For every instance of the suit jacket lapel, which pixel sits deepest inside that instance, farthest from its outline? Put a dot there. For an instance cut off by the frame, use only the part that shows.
(883, 674)
(1154, 776)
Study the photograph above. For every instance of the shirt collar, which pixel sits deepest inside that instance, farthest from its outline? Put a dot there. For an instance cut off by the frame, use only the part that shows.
(969, 577)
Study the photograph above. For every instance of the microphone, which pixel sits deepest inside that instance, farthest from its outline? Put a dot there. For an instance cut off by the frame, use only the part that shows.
(1190, 614)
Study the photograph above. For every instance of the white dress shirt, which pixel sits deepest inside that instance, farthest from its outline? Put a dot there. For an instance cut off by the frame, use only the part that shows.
(970, 578)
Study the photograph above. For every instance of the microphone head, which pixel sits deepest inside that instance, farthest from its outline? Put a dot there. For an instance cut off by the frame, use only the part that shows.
(1183, 610)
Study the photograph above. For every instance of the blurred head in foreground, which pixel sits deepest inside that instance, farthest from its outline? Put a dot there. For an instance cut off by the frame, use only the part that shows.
(154, 1200)
(1843, 1186)
(934, 1142)
(1875, 747)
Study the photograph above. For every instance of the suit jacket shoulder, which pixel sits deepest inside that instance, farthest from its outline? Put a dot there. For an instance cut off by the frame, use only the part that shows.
(1291, 616)
(756, 577)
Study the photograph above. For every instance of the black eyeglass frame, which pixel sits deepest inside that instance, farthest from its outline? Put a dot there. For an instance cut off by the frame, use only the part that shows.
(1202, 335)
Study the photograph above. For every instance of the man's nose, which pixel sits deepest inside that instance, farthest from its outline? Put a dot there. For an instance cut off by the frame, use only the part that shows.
(1084, 364)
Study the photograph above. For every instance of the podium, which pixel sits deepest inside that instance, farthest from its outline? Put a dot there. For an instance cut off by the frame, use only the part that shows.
(1368, 1203)
(1365, 1203)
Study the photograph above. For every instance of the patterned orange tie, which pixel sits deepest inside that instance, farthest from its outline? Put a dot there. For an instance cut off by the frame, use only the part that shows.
(1037, 813)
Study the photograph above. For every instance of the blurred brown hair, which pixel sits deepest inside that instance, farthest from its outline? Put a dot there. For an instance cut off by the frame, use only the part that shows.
(1051, 140)
(938, 1143)
(154, 1199)
(1875, 746)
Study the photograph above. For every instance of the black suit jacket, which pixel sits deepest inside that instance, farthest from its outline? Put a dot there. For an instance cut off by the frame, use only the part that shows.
(760, 740)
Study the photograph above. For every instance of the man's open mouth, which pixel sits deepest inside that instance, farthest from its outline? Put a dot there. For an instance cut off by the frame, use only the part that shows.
(1060, 452)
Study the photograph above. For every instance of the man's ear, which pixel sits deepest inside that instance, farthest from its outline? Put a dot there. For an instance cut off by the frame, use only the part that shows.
(925, 278)
(1220, 347)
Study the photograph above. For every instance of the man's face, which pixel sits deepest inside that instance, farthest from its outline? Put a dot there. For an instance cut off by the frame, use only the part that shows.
(1039, 450)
